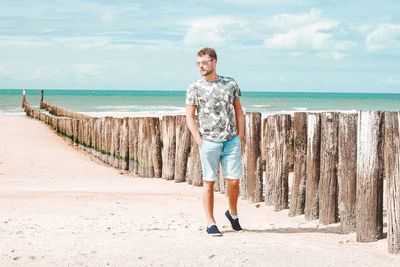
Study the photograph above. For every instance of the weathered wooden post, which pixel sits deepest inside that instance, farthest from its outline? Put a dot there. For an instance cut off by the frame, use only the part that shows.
(252, 177)
(311, 207)
(328, 192)
(290, 152)
(106, 142)
(144, 162)
(369, 196)
(281, 166)
(133, 145)
(23, 98)
(156, 146)
(75, 130)
(149, 148)
(168, 137)
(41, 99)
(392, 174)
(269, 150)
(95, 133)
(113, 136)
(183, 139)
(114, 141)
(123, 162)
(194, 172)
(68, 128)
(347, 171)
(298, 194)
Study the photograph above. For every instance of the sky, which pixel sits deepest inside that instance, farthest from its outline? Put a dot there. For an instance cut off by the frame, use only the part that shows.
(265, 45)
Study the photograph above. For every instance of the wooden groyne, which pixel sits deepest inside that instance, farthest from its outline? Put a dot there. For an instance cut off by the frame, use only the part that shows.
(340, 161)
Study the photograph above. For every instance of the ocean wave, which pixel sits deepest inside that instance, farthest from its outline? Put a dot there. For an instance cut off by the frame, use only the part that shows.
(139, 108)
(122, 114)
(260, 106)
(300, 108)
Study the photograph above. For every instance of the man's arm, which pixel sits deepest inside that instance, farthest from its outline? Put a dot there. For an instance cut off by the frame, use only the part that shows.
(239, 118)
(191, 123)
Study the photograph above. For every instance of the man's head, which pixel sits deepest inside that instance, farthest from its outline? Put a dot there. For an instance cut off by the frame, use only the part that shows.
(207, 61)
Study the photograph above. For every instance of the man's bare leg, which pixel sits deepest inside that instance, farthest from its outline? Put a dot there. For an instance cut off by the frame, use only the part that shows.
(208, 201)
(233, 195)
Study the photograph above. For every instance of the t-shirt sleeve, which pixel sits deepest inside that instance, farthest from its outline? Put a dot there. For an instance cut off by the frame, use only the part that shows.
(191, 97)
(236, 89)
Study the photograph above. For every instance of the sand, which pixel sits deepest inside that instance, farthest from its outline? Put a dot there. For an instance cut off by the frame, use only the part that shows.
(61, 207)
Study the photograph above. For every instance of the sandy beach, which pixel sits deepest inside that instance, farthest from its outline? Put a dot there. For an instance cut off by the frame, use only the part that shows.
(61, 207)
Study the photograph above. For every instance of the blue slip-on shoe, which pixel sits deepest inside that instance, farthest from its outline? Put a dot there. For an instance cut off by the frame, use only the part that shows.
(213, 231)
(234, 222)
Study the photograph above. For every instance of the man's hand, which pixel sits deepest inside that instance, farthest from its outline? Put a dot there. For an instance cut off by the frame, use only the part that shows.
(199, 141)
(242, 137)
(191, 123)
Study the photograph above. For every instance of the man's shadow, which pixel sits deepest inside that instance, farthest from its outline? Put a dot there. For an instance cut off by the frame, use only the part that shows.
(292, 230)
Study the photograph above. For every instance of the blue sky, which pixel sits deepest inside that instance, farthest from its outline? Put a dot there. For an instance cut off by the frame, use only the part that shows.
(266, 45)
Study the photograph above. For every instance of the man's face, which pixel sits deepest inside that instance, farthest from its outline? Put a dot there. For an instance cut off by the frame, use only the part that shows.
(206, 65)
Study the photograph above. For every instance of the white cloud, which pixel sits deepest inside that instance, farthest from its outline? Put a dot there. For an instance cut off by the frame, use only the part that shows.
(82, 42)
(309, 36)
(284, 22)
(307, 32)
(384, 37)
(211, 31)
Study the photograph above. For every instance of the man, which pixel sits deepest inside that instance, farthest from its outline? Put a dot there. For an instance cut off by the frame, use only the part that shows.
(218, 134)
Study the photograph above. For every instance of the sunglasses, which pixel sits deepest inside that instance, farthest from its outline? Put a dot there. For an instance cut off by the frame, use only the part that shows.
(203, 62)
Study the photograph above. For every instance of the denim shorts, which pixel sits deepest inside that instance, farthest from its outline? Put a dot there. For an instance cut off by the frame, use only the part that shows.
(227, 152)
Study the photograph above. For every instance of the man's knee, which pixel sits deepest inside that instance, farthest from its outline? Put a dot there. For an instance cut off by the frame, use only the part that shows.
(233, 182)
(208, 185)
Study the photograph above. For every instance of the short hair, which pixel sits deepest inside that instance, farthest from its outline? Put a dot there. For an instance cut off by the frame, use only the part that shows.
(208, 51)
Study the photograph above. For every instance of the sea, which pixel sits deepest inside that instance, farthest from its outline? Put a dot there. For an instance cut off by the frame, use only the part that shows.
(126, 102)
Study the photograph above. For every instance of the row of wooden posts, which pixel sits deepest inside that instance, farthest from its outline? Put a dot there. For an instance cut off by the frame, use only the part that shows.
(339, 160)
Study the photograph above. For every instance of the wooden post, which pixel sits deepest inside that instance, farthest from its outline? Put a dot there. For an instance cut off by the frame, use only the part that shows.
(113, 145)
(95, 136)
(23, 98)
(144, 164)
(116, 141)
(347, 171)
(328, 192)
(252, 178)
(168, 133)
(291, 152)
(269, 150)
(75, 130)
(156, 146)
(41, 99)
(298, 194)
(194, 172)
(183, 137)
(369, 196)
(123, 162)
(149, 148)
(106, 140)
(311, 207)
(281, 166)
(392, 174)
(133, 145)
